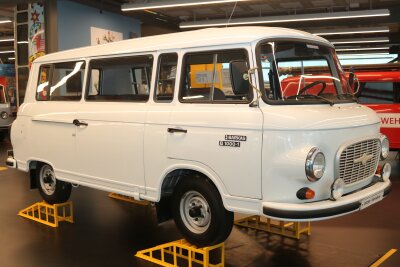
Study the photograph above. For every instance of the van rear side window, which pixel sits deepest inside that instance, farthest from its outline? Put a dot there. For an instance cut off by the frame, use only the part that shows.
(61, 81)
(120, 79)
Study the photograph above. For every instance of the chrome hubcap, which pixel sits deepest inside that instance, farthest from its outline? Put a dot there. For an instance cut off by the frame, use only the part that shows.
(47, 180)
(195, 212)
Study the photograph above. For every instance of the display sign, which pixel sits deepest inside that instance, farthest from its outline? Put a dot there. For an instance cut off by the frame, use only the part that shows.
(390, 120)
(104, 36)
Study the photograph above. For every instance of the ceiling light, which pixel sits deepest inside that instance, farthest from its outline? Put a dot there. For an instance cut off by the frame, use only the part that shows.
(352, 31)
(6, 39)
(362, 48)
(11, 58)
(7, 52)
(23, 42)
(370, 54)
(289, 18)
(151, 12)
(360, 40)
(174, 3)
(4, 20)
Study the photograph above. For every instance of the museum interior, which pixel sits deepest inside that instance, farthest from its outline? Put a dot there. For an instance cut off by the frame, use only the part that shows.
(240, 133)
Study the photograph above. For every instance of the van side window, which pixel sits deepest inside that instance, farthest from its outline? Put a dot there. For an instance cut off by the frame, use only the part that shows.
(66, 81)
(43, 83)
(166, 77)
(207, 78)
(120, 79)
(379, 92)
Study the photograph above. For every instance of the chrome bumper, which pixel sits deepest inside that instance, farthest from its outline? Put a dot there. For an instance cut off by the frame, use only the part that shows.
(10, 161)
(320, 210)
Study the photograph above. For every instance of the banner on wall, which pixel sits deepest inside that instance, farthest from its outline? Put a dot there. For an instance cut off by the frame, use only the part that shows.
(104, 36)
(36, 31)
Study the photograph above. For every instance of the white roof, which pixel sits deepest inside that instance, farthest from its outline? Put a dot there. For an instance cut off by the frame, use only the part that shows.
(188, 39)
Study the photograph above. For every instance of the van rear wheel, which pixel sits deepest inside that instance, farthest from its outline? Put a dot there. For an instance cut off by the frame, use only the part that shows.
(199, 212)
(53, 191)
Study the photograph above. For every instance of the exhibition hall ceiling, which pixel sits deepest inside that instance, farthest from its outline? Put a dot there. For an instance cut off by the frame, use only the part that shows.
(375, 33)
(376, 22)
(6, 31)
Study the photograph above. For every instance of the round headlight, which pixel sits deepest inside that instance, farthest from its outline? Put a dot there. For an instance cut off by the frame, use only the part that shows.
(386, 171)
(337, 189)
(4, 115)
(315, 164)
(384, 147)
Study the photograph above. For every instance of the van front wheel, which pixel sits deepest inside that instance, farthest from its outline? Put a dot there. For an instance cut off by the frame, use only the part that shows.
(53, 191)
(199, 212)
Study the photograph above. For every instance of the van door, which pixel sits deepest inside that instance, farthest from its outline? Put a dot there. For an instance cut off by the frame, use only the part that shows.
(57, 97)
(110, 123)
(214, 126)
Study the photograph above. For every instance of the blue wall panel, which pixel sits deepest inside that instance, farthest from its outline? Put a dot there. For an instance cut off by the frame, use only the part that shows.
(75, 20)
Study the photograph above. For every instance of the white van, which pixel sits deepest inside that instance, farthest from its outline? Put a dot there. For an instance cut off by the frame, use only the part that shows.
(204, 123)
(6, 118)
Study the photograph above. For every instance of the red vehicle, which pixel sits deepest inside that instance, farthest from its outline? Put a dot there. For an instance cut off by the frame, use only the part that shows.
(380, 90)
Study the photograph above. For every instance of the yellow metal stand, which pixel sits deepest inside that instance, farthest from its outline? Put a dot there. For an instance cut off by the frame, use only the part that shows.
(48, 214)
(168, 254)
(288, 229)
(128, 199)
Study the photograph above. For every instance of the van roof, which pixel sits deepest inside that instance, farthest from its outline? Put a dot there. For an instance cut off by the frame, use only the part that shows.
(188, 39)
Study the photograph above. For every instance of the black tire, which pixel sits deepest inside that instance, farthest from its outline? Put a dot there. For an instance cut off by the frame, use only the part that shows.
(207, 222)
(53, 191)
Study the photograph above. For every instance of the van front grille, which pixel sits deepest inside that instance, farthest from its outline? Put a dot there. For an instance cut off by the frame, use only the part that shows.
(359, 161)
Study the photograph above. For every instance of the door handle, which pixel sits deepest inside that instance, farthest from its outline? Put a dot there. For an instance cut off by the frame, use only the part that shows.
(176, 130)
(79, 123)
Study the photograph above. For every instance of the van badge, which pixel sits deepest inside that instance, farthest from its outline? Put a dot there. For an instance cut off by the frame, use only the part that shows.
(363, 159)
(230, 137)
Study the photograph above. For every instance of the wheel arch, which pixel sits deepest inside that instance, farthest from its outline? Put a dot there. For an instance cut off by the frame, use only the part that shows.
(175, 173)
(33, 164)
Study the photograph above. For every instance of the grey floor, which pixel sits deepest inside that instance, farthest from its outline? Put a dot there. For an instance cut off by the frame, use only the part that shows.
(107, 232)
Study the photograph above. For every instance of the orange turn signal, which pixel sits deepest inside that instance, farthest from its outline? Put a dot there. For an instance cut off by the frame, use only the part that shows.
(305, 193)
(378, 169)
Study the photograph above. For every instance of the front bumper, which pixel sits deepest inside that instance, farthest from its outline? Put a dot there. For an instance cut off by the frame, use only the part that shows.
(320, 210)
(11, 161)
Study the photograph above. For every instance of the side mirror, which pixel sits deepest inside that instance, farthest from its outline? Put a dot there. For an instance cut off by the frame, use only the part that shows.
(353, 82)
(240, 81)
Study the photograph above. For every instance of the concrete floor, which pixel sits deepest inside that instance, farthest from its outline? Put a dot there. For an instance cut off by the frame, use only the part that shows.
(108, 232)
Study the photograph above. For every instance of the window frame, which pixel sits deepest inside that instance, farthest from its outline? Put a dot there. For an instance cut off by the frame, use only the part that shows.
(51, 66)
(379, 96)
(116, 99)
(157, 78)
(213, 53)
(261, 79)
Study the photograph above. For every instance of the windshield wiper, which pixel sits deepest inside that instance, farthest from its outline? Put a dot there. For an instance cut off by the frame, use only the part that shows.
(331, 103)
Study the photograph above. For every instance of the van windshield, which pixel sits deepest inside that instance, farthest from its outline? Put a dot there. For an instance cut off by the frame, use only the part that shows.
(297, 72)
(3, 95)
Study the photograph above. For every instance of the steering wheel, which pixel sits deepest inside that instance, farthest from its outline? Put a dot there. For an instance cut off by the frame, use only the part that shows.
(305, 88)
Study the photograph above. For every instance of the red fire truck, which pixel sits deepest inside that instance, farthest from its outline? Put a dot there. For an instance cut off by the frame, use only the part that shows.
(380, 90)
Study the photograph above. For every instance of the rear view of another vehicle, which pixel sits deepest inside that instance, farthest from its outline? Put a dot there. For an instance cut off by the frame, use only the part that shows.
(5, 113)
(380, 90)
